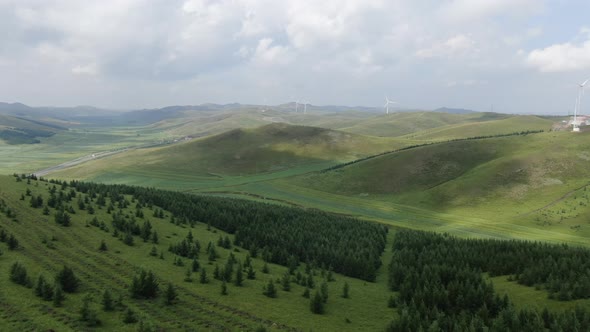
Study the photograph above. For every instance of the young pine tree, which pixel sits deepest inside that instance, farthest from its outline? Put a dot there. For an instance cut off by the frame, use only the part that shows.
(107, 301)
(270, 290)
(203, 277)
(171, 295)
(317, 304)
(345, 290)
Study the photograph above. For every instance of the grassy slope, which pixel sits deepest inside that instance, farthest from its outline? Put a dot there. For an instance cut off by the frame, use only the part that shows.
(268, 149)
(419, 124)
(244, 308)
(503, 188)
(486, 125)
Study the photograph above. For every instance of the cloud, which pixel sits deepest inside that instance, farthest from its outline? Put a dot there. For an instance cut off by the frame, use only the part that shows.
(561, 57)
(470, 10)
(90, 69)
(457, 45)
(268, 54)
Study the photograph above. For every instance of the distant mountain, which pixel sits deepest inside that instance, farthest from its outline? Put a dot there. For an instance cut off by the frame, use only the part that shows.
(453, 110)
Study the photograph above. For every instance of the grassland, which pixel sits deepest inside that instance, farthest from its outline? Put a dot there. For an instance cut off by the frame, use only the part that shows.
(509, 187)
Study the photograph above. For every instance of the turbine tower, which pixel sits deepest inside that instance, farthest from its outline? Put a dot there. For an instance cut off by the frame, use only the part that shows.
(575, 127)
(296, 105)
(387, 102)
(305, 108)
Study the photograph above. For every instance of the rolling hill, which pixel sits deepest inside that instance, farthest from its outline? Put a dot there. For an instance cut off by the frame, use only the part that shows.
(17, 130)
(496, 177)
(267, 149)
(441, 126)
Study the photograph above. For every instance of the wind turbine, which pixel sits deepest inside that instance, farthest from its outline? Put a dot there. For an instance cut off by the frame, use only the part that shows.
(305, 108)
(296, 105)
(578, 104)
(387, 102)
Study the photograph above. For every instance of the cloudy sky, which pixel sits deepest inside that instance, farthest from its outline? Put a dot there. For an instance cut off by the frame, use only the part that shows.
(522, 56)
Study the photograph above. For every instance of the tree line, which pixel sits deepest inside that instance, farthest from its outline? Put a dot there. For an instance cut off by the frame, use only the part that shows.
(410, 147)
(278, 234)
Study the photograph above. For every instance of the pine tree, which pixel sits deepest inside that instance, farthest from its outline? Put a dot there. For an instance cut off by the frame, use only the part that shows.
(203, 277)
(188, 275)
(251, 274)
(171, 294)
(317, 304)
(195, 265)
(155, 239)
(154, 251)
(107, 301)
(67, 280)
(103, 246)
(306, 293)
(270, 290)
(286, 282)
(345, 290)
(129, 317)
(324, 291)
(265, 268)
(87, 314)
(12, 242)
(223, 288)
(18, 274)
(239, 281)
(58, 296)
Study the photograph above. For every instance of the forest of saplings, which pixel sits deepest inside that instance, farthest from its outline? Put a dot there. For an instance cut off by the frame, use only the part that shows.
(437, 282)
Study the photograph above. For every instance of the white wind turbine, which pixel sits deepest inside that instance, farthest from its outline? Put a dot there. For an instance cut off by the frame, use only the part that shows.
(296, 105)
(305, 107)
(387, 102)
(578, 105)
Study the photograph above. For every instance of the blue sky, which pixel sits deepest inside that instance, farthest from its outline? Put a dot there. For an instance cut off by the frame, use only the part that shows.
(521, 56)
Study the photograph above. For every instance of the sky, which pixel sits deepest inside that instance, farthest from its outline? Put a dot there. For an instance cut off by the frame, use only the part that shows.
(512, 56)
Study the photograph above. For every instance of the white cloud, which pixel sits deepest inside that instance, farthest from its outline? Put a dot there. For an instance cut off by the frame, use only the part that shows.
(561, 57)
(457, 45)
(90, 69)
(268, 54)
(473, 10)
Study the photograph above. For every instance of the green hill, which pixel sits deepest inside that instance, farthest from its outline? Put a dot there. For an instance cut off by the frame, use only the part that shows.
(442, 126)
(15, 130)
(271, 148)
(508, 177)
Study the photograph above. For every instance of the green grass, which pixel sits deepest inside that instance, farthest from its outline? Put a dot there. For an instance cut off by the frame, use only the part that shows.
(273, 148)
(244, 308)
(529, 297)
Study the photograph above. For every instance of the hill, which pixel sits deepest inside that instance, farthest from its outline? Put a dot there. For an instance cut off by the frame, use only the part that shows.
(504, 177)
(16, 130)
(75, 231)
(267, 149)
(442, 126)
